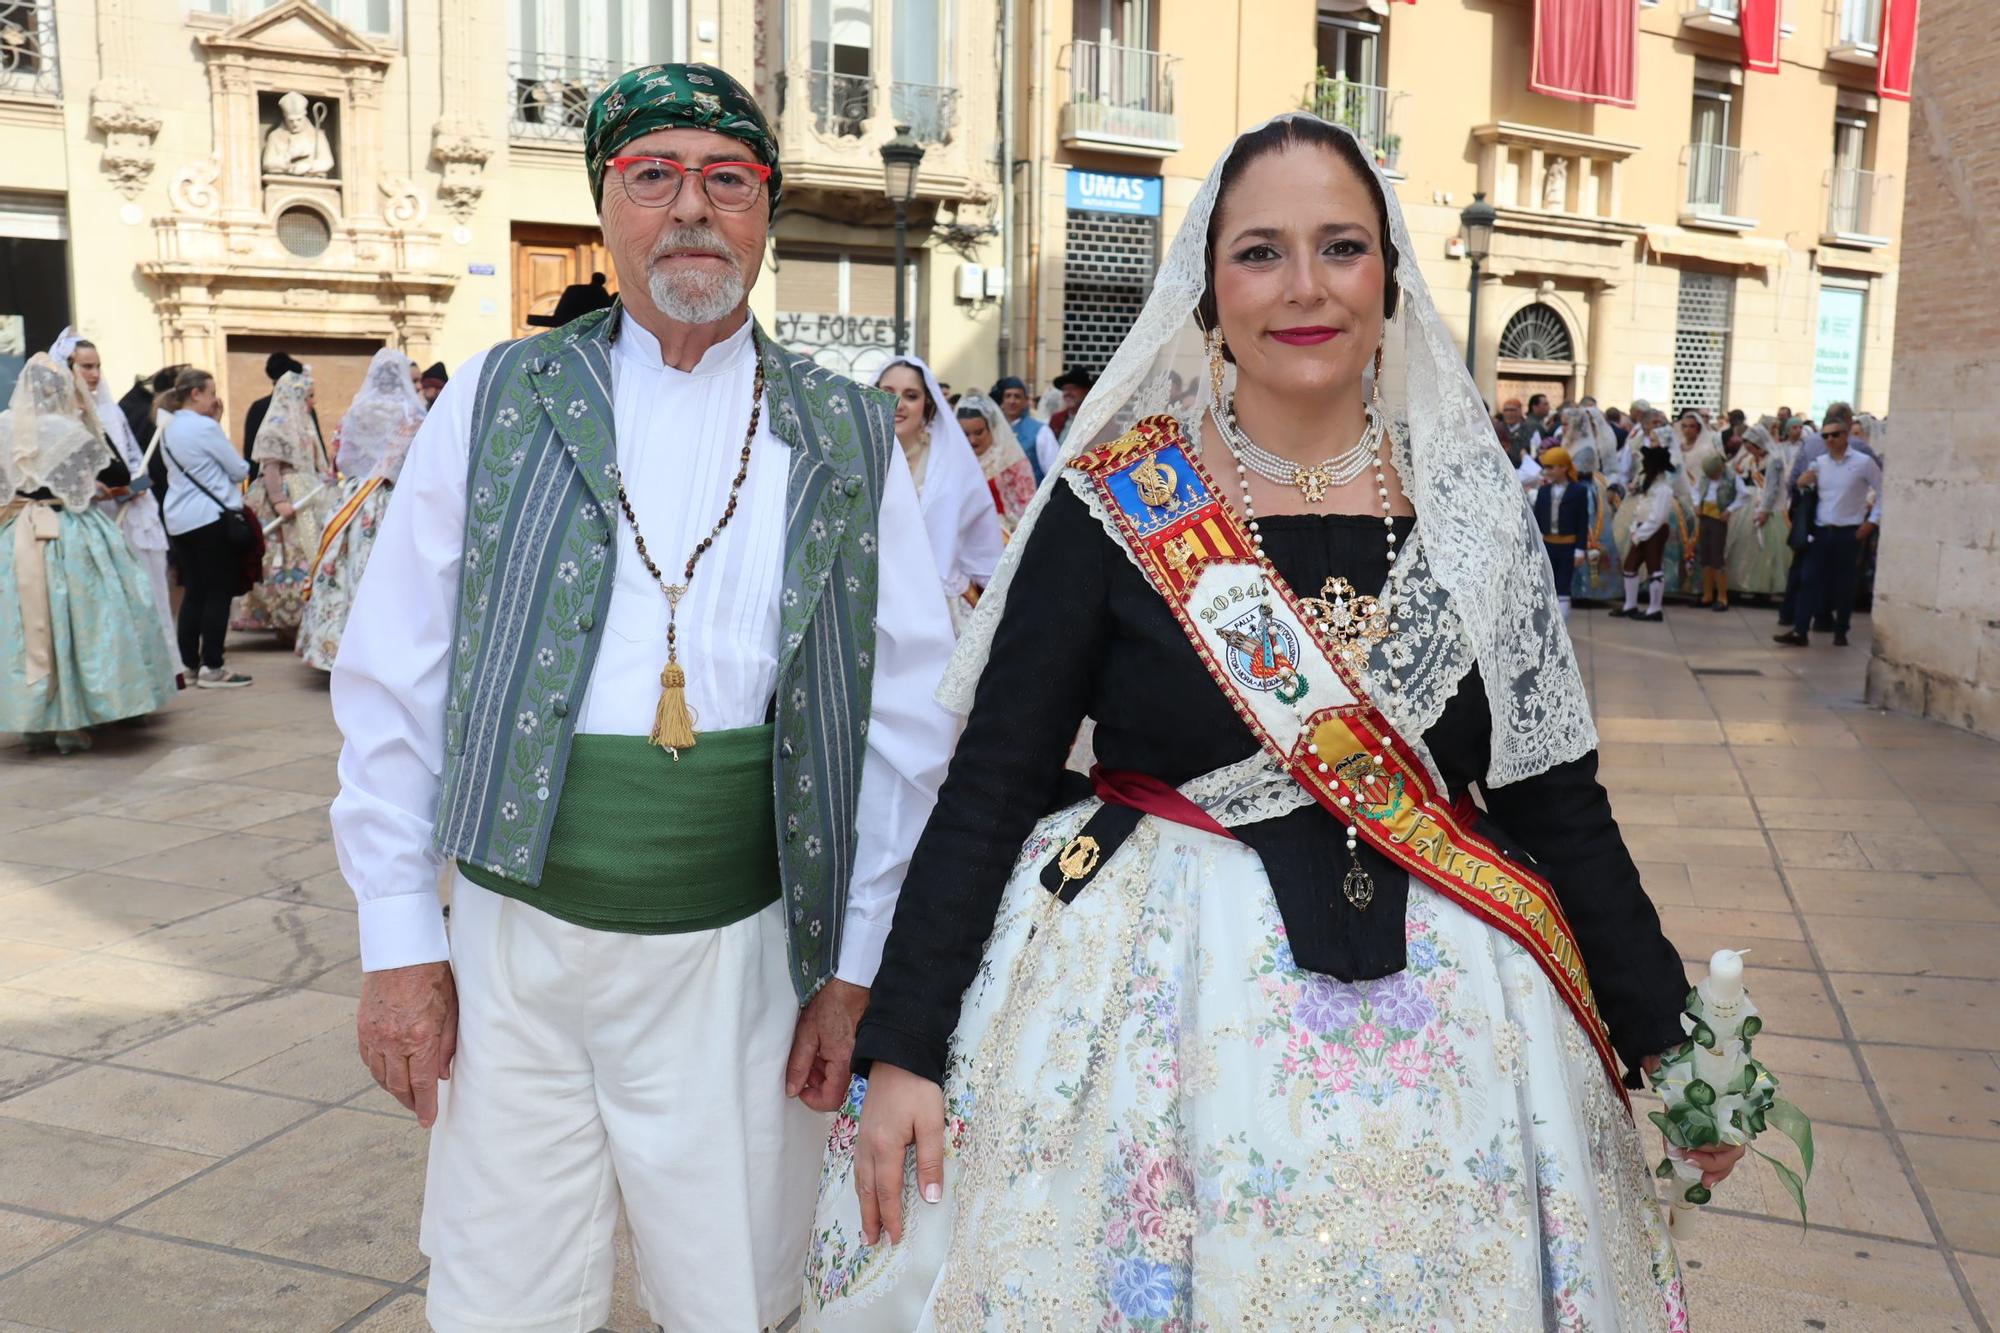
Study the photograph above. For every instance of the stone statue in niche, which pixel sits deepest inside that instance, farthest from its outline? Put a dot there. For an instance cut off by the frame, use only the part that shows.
(1555, 185)
(298, 145)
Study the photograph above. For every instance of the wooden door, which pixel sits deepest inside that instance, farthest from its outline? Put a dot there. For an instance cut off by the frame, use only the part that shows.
(548, 259)
(338, 366)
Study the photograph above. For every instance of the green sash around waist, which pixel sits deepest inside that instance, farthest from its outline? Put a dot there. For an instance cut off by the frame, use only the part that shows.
(643, 845)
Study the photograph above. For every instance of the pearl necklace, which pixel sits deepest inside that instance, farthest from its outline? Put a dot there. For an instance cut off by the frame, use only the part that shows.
(1358, 887)
(1312, 479)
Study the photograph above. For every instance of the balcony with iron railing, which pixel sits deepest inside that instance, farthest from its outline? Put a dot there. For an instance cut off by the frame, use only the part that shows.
(551, 94)
(1721, 16)
(1857, 207)
(1121, 100)
(1365, 110)
(1718, 187)
(28, 48)
(843, 106)
(1857, 33)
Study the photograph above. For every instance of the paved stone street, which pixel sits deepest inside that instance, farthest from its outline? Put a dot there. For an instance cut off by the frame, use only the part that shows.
(188, 1141)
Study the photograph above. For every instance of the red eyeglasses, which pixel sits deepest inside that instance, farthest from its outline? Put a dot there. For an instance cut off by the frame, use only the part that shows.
(655, 182)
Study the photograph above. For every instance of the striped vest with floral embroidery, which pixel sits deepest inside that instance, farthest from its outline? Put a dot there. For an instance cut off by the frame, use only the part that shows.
(535, 590)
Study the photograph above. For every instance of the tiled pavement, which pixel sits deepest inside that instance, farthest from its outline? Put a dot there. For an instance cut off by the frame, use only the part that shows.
(188, 1142)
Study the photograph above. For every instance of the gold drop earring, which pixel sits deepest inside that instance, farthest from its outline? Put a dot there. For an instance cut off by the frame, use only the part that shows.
(1215, 367)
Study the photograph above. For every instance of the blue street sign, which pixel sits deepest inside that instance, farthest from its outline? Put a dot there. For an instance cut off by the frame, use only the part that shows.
(1103, 192)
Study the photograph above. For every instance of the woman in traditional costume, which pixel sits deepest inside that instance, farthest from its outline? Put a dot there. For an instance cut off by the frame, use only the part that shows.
(1758, 556)
(1235, 1040)
(1592, 445)
(373, 438)
(293, 496)
(134, 507)
(958, 507)
(80, 637)
(1009, 475)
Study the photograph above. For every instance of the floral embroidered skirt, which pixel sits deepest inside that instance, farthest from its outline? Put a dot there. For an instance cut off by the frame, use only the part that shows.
(338, 574)
(110, 661)
(278, 603)
(1157, 1121)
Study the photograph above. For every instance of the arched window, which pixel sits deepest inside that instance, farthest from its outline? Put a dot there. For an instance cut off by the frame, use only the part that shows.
(1537, 333)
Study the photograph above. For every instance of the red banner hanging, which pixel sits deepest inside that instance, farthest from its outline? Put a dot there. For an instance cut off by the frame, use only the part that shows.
(1586, 51)
(1759, 20)
(1896, 53)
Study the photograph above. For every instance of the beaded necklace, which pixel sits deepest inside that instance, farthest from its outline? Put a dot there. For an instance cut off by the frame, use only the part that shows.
(673, 721)
(1351, 622)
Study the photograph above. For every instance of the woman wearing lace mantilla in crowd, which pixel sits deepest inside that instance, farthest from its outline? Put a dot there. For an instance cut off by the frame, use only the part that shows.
(1274, 1028)
(374, 438)
(80, 640)
(292, 497)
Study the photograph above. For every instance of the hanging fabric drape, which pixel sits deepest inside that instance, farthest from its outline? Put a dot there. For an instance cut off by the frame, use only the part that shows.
(1586, 51)
(1896, 53)
(1760, 20)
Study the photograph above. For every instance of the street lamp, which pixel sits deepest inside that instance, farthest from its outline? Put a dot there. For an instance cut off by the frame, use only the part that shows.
(1476, 230)
(901, 157)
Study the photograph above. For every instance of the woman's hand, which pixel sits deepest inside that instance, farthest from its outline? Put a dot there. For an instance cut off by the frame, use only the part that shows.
(286, 509)
(1715, 1163)
(901, 1108)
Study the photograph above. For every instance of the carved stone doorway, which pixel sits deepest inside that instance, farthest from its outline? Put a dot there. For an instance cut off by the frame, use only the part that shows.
(338, 366)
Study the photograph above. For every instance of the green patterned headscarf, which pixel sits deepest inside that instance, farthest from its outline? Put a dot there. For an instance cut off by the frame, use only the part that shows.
(662, 97)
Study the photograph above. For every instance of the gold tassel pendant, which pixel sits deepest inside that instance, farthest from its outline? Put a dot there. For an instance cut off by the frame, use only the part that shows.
(673, 723)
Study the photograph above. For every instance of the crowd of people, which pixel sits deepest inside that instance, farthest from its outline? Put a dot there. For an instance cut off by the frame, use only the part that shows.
(1632, 505)
(114, 506)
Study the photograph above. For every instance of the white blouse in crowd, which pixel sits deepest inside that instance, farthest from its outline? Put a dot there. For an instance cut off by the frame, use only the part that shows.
(199, 457)
(1656, 507)
(679, 442)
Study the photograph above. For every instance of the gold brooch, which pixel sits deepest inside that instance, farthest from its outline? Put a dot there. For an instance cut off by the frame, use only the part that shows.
(1351, 623)
(1156, 481)
(1078, 858)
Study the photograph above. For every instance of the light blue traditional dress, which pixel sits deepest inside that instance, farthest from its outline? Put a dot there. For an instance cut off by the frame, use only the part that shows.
(80, 639)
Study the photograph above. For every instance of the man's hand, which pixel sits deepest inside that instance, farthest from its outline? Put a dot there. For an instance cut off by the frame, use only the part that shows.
(408, 1025)
(1864, 532)
(823, 1046)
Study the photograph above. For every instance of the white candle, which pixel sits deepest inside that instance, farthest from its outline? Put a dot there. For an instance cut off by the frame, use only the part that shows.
(1725, 977)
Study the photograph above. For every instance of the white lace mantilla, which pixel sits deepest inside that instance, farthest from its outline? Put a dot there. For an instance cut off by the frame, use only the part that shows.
(1479, 589)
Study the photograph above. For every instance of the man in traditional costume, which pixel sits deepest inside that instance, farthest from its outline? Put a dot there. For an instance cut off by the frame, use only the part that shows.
(646, 652)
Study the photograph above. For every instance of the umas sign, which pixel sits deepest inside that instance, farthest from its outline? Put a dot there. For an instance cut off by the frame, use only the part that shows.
(1103, 192)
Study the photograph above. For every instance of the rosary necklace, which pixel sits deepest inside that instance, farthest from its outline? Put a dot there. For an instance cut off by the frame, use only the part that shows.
(1351, 622)
(673, 721)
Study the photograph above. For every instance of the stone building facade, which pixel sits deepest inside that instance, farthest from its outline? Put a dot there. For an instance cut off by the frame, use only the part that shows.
(1729, 241)
(444, 199)
(1732, 240)
(1937, 586)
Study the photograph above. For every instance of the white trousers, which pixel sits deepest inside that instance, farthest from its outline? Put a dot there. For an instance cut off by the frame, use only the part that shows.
(593, 1066)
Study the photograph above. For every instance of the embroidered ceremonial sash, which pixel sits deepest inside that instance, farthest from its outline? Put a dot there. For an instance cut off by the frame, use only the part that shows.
(334, 526)
(1268, 657)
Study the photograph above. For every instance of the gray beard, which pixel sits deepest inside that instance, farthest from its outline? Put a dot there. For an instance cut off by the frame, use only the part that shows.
(695, 299)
